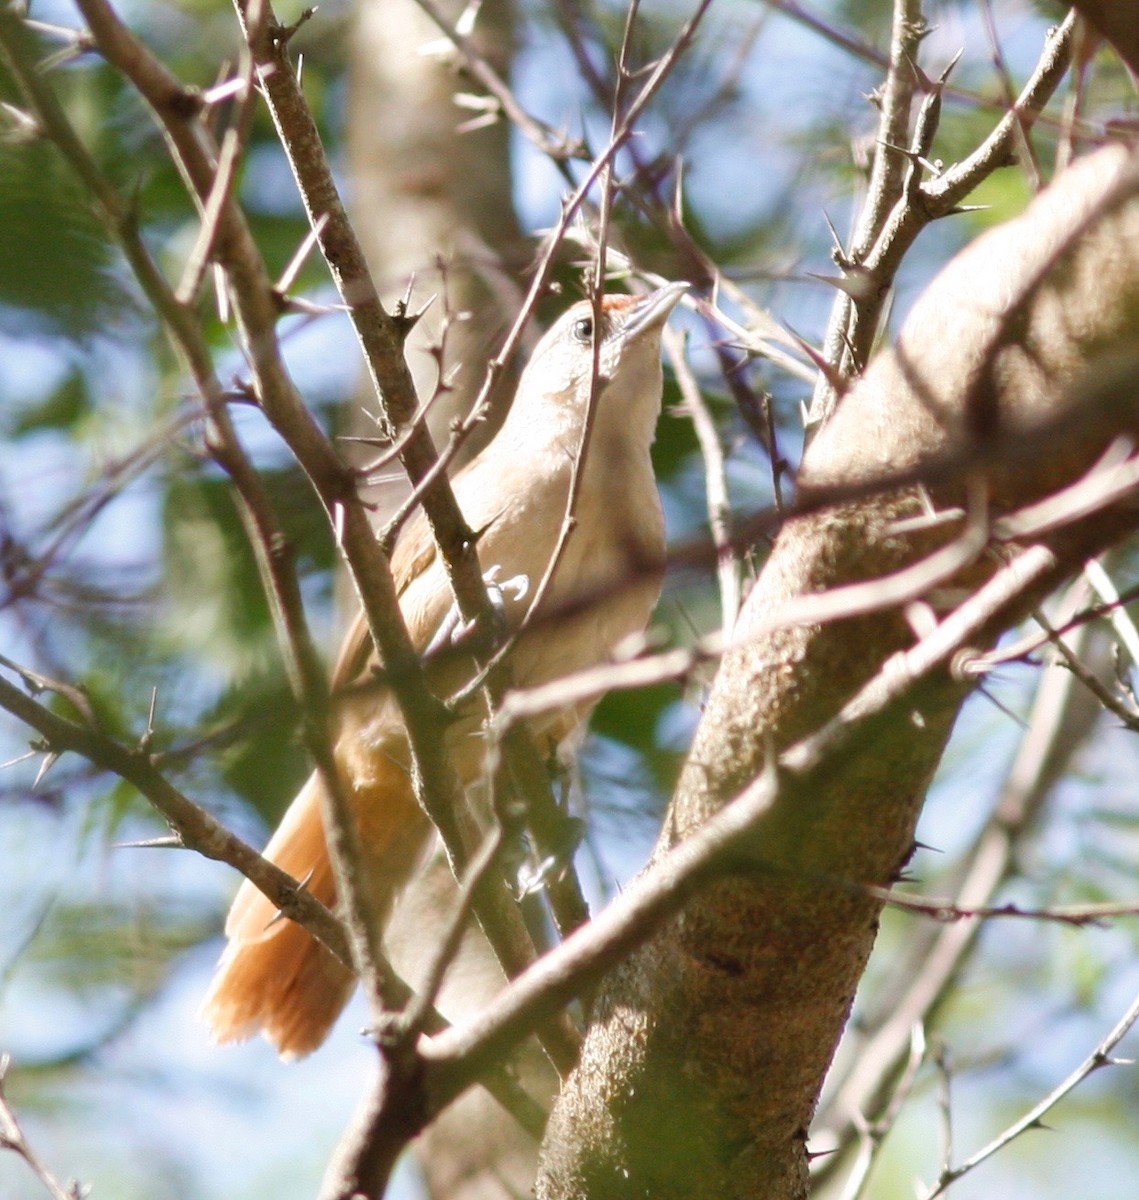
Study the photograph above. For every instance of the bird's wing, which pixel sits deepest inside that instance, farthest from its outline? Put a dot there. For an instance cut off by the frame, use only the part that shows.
(415, 551)
(415, 554)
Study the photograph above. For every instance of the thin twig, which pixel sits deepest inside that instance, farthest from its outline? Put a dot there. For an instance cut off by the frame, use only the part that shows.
(1110, 701)
(225, 179)
(1057, 727)
(1100, 1057)
(195, 827)
(556, 146)
(948, 911)
(872, 1134)
(448, 938)
(715, 480)
(948, 189)
(12, 1138)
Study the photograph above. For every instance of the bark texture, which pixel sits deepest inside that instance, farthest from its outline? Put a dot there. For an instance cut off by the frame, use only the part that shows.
(701, 1071)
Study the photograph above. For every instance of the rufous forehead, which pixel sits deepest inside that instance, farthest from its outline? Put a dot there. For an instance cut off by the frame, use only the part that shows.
(617, 302)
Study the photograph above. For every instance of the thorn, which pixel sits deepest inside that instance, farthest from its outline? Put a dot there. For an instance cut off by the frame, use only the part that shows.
(1001, 706)
(223, 91)
(857, 282)
(148, 732)
(309, 308)
(406, 321)
(958, 209)
(375, 443)
(241, 391)
(290, 273)
(476, 123)
(473, 102)
(465, 25)
(279, 915)
(930, 519)
(15, 762)
(338, 523)
(837, 381)
(25, 128)
(49, 761)
(943, 78)
(263, 71)
(923, 81)
(221, 293)
(642, 72)
(905, 151)
(418, 314)
(838, 254)
(678, 193)
(172, 842)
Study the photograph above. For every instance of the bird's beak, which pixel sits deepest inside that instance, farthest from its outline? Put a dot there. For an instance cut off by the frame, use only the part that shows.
(653, 310)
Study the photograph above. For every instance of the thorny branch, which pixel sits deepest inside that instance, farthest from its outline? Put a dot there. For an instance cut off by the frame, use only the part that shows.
(874, 258)
(1100, 1057)
(1105, 483)
(194, 827)
(557, 147)
(886, 189)
(12, 1138)
(872, 1134)
(1057, 727)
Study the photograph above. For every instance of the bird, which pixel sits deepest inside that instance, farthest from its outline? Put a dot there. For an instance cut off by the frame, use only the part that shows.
(594, 381)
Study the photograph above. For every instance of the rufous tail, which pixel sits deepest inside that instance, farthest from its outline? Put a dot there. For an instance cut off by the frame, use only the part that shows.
(274, 977)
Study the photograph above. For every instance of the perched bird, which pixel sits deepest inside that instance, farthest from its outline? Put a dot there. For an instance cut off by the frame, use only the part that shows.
(275, 978)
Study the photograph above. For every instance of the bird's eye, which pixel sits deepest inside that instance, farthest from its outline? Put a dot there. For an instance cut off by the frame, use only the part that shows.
(583, 330)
